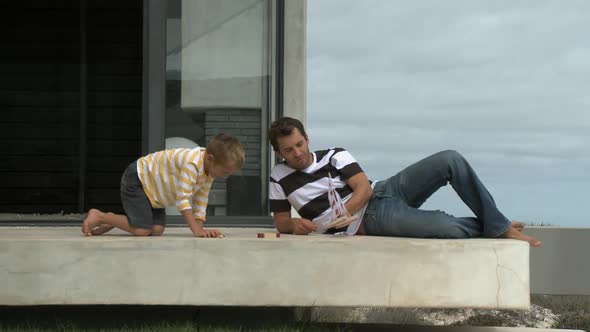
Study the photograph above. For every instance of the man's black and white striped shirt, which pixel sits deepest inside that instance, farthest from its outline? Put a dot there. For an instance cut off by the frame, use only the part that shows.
(307, 190)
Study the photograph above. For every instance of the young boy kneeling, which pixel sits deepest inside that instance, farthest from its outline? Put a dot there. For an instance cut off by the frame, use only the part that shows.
(174, 177)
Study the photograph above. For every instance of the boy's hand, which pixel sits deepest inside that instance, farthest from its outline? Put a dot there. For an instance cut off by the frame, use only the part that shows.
(196, 225)
(208, 233)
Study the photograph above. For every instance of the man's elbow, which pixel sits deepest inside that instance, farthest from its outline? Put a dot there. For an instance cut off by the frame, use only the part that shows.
(369, 194)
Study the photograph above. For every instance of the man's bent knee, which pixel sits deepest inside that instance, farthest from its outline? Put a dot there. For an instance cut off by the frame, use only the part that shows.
(451, 155)
(157, 230)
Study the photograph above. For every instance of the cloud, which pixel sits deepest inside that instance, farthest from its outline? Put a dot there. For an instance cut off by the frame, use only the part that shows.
(503, 82)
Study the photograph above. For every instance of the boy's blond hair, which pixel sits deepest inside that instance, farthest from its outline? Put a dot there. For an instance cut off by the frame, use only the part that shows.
(227, 150)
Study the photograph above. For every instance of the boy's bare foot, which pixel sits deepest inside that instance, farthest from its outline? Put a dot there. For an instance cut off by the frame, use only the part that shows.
(101, 229)
(513, 233)
(518, 225)
(91, 222)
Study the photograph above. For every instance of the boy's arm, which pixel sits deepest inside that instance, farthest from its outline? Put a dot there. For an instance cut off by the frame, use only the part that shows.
(196, 225)
(196, 217)
(298, 226)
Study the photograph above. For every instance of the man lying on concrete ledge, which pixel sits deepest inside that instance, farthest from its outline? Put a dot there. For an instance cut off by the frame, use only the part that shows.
(388, 208)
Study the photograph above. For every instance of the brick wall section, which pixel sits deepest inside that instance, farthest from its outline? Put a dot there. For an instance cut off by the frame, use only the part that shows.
(246, 126)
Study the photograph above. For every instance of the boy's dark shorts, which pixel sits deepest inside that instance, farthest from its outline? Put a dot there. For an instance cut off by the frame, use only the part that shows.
(136, 204)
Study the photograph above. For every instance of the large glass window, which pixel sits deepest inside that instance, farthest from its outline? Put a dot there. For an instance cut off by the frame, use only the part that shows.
(70, 105)
(217, 80)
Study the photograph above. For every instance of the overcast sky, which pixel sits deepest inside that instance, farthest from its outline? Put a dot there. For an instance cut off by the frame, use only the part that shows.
(506, 83)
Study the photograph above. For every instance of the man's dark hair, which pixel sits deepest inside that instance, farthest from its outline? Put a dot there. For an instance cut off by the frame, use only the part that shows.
(284, 127)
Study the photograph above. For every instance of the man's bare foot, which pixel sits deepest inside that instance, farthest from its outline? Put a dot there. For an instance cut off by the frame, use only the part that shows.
(518, 225)
(513, 233)
(91, 222)
(104, 228)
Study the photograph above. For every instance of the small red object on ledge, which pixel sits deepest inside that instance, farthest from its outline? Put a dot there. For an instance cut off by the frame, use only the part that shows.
(270, 235)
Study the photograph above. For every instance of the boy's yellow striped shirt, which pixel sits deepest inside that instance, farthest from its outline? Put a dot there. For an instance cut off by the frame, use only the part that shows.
(176, 177)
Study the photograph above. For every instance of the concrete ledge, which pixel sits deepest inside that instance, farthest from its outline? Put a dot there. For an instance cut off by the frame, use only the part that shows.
(59, 266)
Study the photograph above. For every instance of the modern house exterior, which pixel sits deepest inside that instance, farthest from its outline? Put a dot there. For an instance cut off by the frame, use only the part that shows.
(88, 86)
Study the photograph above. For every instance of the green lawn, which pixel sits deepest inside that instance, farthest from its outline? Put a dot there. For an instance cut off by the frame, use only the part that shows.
(574, 312)
(114, 318)
(168, 327)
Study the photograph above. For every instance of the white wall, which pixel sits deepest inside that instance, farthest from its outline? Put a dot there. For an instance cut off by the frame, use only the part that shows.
(294, 97)
(562, 264)
(224, 53)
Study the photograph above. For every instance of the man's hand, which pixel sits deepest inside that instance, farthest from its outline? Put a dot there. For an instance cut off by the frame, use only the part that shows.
(208, 233)
(298, 226)
(342, 221)
(303, 226)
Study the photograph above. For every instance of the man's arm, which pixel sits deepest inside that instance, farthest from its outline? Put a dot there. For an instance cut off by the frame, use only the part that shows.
(299, 226)
(281, 208)
(361, 192)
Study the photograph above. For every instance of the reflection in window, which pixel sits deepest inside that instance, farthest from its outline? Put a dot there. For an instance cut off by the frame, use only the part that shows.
(217, 80)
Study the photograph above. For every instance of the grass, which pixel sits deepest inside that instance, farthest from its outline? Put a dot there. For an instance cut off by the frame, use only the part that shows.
(167, 327)
(541, 224)
(187, 326)
(115, 318)
(573, 311)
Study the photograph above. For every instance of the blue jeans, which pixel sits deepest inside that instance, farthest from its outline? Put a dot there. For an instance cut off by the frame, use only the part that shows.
(394, 208)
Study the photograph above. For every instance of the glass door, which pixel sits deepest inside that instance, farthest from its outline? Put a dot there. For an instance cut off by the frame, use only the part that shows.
(218, 63)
